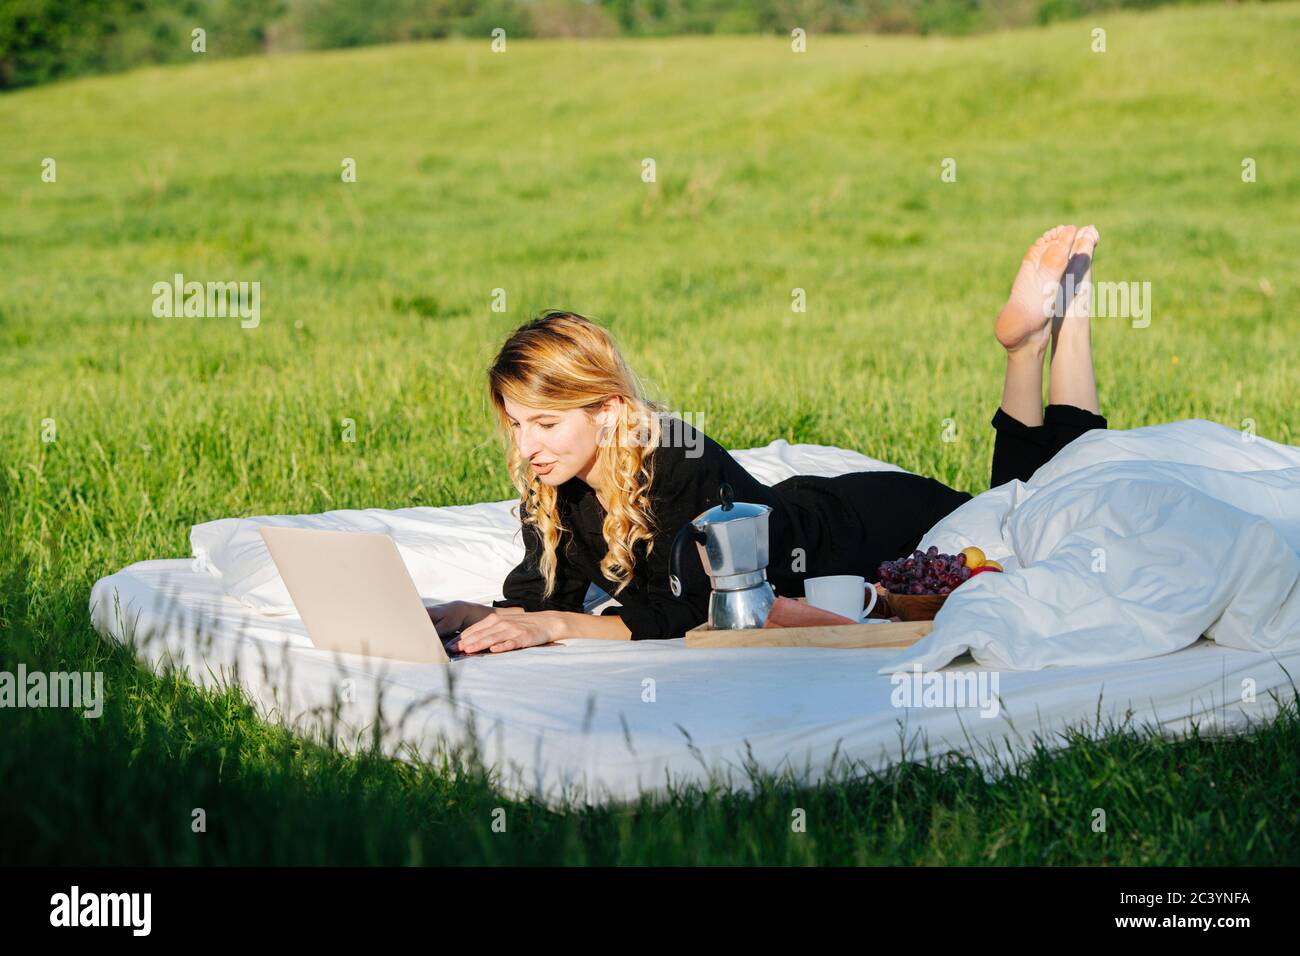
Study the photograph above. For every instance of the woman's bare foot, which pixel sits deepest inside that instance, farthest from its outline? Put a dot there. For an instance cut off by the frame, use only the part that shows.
(1026, 319)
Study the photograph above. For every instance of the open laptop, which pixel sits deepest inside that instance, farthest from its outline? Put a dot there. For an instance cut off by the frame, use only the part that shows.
(355, 595)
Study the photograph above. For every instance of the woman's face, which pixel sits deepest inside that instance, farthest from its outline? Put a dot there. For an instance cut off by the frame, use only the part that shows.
(557, 444)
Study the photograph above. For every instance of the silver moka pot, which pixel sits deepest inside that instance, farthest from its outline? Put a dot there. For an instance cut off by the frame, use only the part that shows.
(732, 541)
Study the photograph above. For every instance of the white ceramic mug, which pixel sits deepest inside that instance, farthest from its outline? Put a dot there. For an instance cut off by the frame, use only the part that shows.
(841, 594)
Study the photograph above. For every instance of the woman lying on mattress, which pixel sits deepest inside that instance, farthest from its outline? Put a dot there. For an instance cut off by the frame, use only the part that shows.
(607, 479)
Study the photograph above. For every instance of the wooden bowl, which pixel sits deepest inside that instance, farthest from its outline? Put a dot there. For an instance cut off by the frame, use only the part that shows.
(913, 607)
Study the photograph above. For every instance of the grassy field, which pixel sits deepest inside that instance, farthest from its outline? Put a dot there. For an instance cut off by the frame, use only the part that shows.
(522, 171)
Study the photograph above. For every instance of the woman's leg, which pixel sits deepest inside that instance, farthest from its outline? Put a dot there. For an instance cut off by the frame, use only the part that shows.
(1024, 325)
(1027, 436)
(1022, 388)
(1072, 380)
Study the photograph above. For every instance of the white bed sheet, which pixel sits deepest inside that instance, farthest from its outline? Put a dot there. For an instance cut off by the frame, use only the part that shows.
(572, 722)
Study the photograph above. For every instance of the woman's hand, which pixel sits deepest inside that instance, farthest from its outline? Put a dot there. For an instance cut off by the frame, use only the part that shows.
(510, 631)
(454, 615)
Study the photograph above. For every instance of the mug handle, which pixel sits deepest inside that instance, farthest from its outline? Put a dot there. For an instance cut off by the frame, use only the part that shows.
(871, 605)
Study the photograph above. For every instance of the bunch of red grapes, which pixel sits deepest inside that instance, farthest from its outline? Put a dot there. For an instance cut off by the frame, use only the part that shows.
(924, 572)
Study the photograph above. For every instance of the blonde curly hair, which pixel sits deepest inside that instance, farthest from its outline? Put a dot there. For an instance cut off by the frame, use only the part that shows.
(561, 361)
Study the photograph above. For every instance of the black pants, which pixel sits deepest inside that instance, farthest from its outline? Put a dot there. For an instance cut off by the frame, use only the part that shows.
(1019, 449)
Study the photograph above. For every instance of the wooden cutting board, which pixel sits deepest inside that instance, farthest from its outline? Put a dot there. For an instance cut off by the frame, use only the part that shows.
(894, 634)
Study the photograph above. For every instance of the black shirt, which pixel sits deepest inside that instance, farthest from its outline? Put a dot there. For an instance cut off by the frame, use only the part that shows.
(847, 524)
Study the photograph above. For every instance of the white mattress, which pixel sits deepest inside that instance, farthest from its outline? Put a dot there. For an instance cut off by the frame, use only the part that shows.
(574, 722)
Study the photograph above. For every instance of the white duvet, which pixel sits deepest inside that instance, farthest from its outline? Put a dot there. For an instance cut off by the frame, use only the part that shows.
(1127, 544)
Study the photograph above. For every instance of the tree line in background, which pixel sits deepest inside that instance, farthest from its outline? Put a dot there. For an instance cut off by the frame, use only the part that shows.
(43, 40)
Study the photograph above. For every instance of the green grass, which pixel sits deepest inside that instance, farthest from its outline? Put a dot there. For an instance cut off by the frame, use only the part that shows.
(522, 171)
